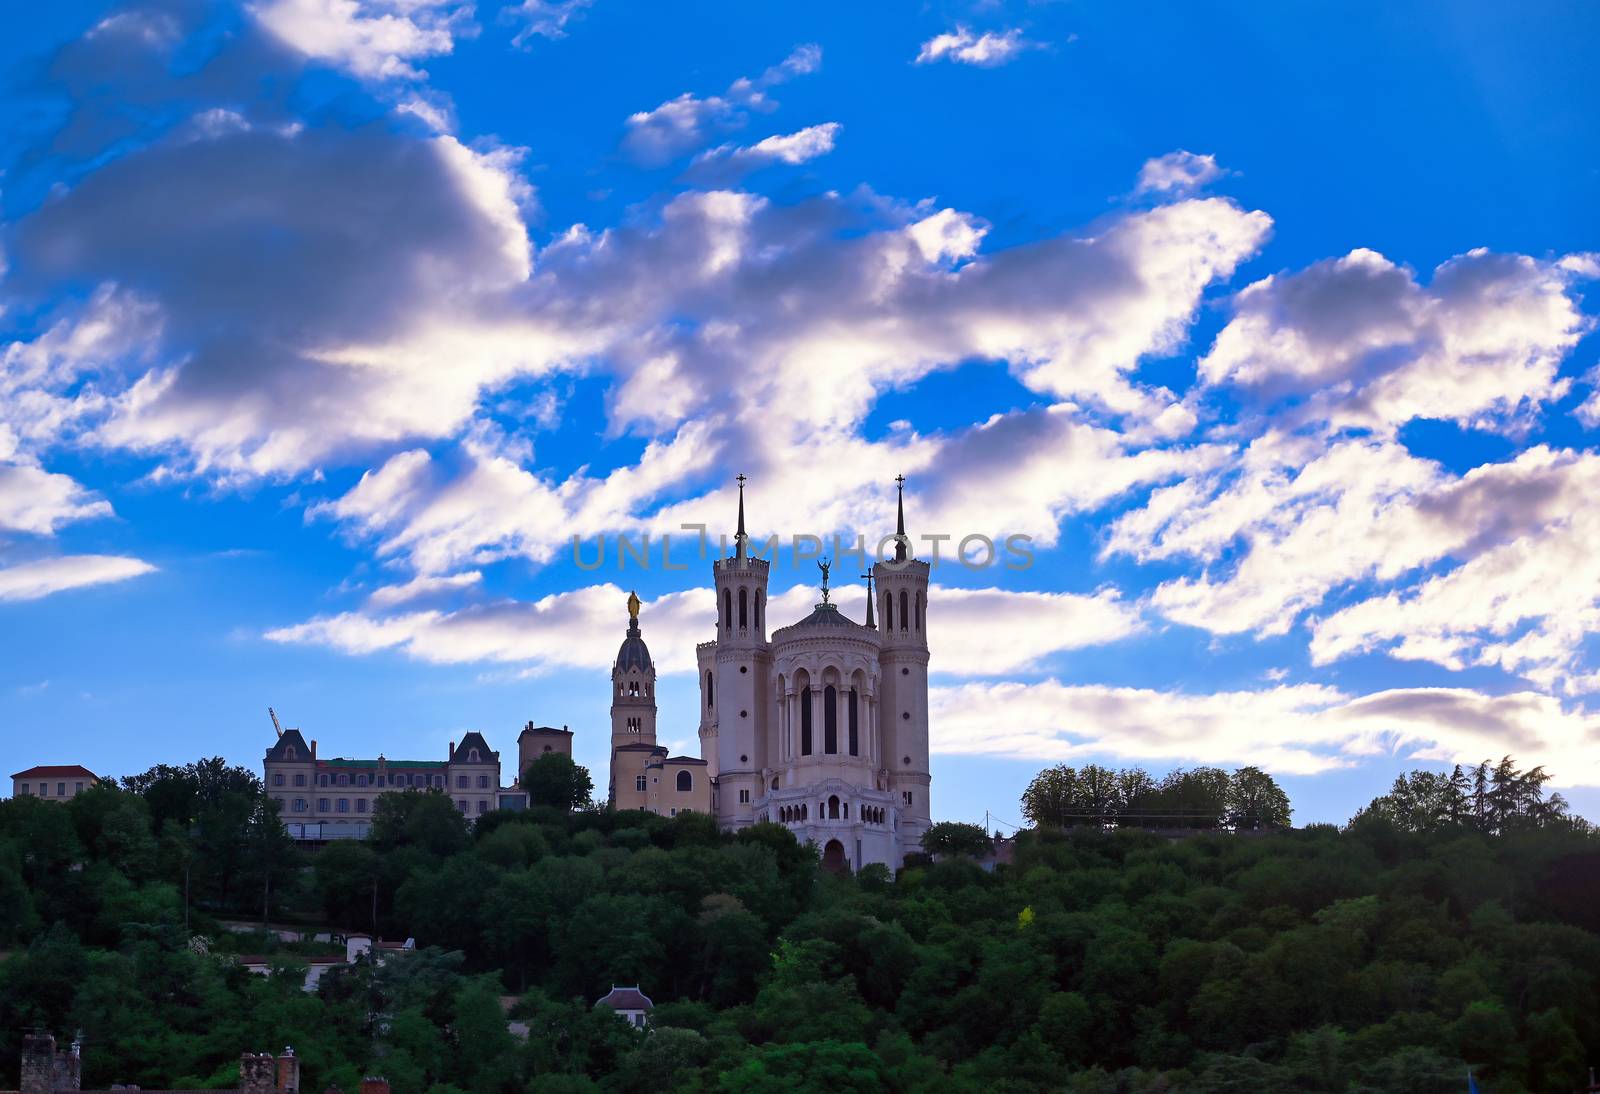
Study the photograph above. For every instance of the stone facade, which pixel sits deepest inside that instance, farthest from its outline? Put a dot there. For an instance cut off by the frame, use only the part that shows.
(309, 788)
(643, 774)
(57, 783)
(823, 727)
(535, 741)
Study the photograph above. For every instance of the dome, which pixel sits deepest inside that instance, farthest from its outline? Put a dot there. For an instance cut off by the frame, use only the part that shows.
(827, 615)
(634, 654)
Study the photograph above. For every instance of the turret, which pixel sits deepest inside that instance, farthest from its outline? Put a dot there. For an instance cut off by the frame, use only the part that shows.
(902, 603)
(633, 692)
(735, 695)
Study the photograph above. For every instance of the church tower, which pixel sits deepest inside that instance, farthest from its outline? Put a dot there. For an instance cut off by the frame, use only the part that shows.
(633, 701)
(902, 603)
(735, 676)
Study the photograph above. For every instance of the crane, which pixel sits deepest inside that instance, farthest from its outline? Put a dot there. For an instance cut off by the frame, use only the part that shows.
(275, 724)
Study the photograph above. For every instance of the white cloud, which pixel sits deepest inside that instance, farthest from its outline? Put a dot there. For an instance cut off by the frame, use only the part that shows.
(542, 18)
(1290, 730)
(1364, 344)
(373, 39)
(388, 596)
(687, 122)
(987, 50)
(32, 580)
(1177, 173)
(979, 631)
(38, 501)
(793, 148)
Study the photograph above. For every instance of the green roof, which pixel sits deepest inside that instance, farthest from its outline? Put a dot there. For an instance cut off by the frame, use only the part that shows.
(341, 762)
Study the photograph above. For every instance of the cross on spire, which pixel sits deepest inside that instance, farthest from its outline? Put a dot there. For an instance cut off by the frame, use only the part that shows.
(901, 552)
(739, 537)
(870, 621)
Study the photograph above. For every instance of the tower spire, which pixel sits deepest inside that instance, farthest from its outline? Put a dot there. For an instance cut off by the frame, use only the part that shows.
(870, 621)
(900, 540)
(740, 539)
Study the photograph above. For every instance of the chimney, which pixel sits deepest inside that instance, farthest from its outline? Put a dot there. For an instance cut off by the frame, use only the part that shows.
(313, 748)
(257, 1074)
(288, 1072)
(38, 1063)
(452, 755)
(374, 1084)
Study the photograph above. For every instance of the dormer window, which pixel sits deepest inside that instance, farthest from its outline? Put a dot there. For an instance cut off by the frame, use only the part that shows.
(472, 757)
(289, 753)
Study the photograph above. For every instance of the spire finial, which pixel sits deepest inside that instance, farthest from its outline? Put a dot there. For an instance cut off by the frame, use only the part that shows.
(900, 540)
(633, 614)
(824, 565)
(870, 621)
(739, 537)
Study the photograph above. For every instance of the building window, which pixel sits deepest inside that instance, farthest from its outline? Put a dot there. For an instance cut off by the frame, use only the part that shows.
(300, 778)
(805, 722)
(344, 780)
(744, 796)
(744, 608)
(322, 805)
(674, 812)
(322, 780)
(905, 615)
(919, 611)
(361, 805)
(472, 757)
(77, 788)
(462, 782)
(289, 753)
(711, 689)
(774, 782)
(299, 805)
(344, 805)
(758, 609)
(905, 795)
(277, 778)
(888, 611)
(686, 782)
(830, 719)
(361, 779)
(483, 782)
(547, 748)
(833, 808)
(638, 783)
(24, 790)
(61, 790)
(855, 723)
(483, 806)
(727, 609)
(461, 805)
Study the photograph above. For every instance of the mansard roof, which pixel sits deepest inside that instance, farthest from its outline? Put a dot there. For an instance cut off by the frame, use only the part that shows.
(59, 771)
(625, 998)
(289, 738)
(472, 740)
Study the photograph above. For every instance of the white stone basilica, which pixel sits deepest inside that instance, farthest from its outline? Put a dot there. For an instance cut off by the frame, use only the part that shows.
(823, 727)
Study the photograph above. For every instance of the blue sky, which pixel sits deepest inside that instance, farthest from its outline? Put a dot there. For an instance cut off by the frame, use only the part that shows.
(329, 323)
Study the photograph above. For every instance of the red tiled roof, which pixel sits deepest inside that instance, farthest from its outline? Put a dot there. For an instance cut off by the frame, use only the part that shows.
(60, 771)
(619, 998)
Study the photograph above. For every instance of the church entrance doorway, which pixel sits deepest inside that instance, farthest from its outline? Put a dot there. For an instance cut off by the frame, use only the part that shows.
(833, 859)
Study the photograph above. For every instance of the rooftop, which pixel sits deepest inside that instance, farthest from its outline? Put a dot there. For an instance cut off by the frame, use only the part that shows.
(59, 771)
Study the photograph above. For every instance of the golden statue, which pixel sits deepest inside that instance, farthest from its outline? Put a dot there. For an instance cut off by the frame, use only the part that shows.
(633, 606)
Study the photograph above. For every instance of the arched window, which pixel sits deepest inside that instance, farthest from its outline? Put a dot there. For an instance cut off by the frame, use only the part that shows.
(289, 753)
(888, 611)
(758, 609)
(830, 720)
(711, 689)
(833, 808)
(846, 810)
(774, 782)
(744, 608)
(547, 748)
(905, 615)
(805, 811)
(919, 611)
(805, 721)
(472, 757)
(727, 610)
(685, 782)
(854, 715)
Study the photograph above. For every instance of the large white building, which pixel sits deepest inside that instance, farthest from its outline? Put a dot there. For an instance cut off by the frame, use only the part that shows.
(823, 726)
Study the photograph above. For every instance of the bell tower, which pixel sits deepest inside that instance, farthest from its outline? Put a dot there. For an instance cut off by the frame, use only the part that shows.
(902, 616)
(633, 698)
(739, 673)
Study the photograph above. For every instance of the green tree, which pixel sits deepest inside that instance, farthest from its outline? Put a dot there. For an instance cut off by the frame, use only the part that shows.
(956, 838)
(1255, 801)
(555, 780)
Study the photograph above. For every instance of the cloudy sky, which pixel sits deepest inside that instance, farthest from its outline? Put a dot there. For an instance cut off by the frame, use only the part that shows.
(327, 325)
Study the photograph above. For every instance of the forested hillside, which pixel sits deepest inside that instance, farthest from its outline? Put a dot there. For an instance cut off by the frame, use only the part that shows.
(1390, 955)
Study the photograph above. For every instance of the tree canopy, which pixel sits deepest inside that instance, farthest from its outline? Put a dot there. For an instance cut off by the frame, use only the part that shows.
(1389, 955)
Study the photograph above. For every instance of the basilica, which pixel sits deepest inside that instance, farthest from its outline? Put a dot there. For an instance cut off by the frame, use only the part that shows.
(821, 726)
